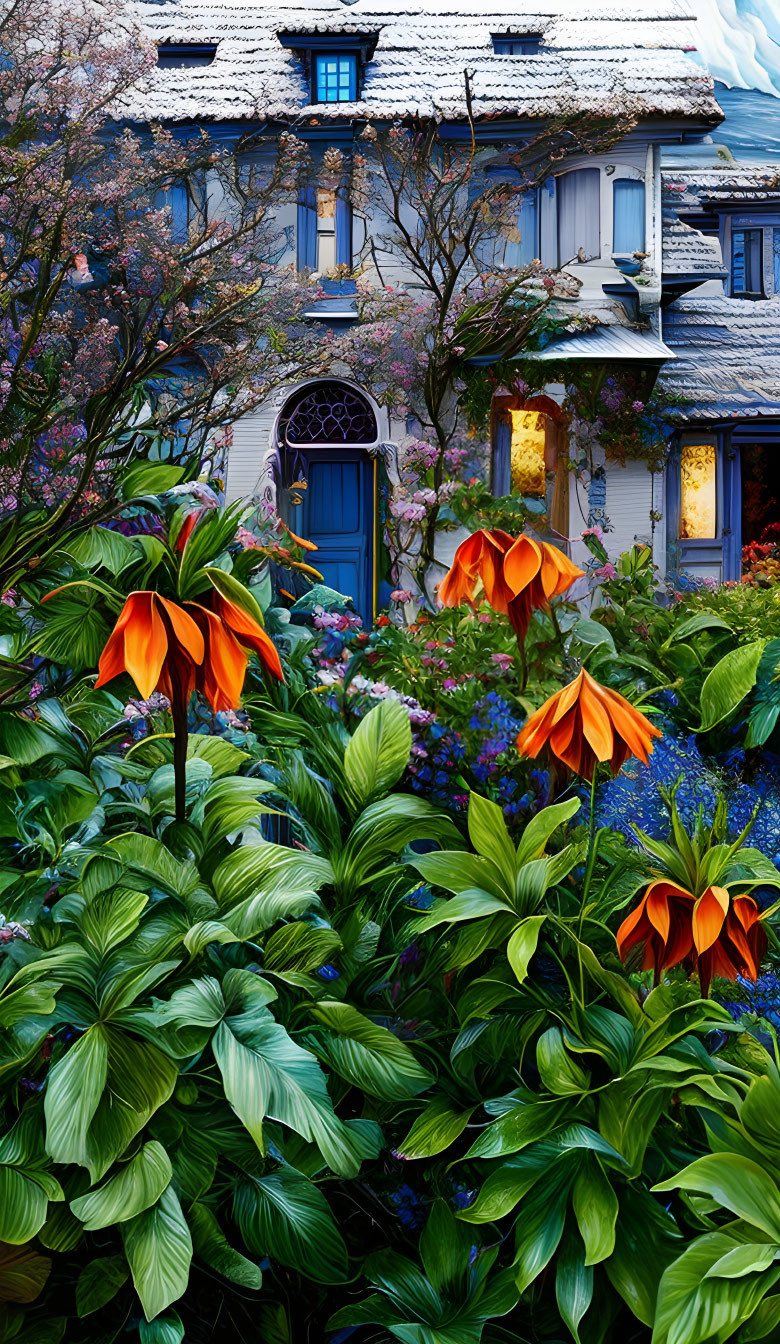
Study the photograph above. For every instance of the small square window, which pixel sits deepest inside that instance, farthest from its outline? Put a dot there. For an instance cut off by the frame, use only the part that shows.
(335, 77)
(516, 44)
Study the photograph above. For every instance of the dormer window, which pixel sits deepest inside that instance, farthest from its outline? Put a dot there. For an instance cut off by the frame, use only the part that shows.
(516, 44)
(754, 247)
(333, 63)
(334, 77)
(180, 55)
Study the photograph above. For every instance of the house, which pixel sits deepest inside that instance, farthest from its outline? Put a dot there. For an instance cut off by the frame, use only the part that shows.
(328, 65)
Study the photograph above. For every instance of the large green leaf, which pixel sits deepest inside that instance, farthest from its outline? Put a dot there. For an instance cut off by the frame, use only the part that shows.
(98, 1282)
(458, 872)
(158, 1247)
(694, 1305)
(135, 1187)
(23, 1273)
(212, 1245)
(537, 834)
(440, 1124)
(24, 1203)
(285, 1216)
(731, 679)
(378, 751)
(596, 1209)
(523, 943)
(737, 1184)
(266, 1074)
(73, 1091)
(365, 1054)
(489, 835)
(573, 1284)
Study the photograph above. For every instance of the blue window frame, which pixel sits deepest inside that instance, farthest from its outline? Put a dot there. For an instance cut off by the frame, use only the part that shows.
(628, 215)
(747, 263)
(516, 44)
(335, 77)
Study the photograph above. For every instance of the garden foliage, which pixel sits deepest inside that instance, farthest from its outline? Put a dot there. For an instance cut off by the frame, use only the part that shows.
(333, 1058)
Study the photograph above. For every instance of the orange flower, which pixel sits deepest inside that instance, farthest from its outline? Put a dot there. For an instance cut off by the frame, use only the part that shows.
(585, 723)
(728, 937)
(225, 630)
(714, 935)
(300, 541)
(177, 650)
(518, 575)
(663, 923)
(157, 643)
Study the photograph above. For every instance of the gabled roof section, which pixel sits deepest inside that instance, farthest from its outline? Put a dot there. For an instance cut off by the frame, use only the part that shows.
(594, 57)
(728, 357)
(703, 187)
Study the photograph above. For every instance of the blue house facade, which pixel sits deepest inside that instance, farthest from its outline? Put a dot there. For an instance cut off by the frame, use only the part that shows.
(700, 306)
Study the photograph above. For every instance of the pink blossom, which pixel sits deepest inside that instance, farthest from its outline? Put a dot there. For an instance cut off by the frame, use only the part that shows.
(502, 660)
(596, 532)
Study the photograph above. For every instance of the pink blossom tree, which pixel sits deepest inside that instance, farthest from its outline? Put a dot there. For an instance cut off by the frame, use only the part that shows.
(137, 321)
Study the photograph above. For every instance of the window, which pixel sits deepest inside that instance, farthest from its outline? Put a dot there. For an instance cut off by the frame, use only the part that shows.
(523, 245)
(324, 229)
(528, 470)
(698, 491)
(178, 55)
(579, 211)
(516, 44)
(747, 263)
(328, 412)
(335, 77)
(628, 216)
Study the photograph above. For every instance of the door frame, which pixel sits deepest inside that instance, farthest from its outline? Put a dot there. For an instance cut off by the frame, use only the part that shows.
(727, 542)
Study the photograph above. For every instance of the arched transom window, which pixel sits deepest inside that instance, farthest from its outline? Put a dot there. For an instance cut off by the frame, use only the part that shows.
(328, 413)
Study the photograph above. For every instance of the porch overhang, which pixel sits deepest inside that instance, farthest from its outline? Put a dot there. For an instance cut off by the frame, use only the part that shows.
(614, 344)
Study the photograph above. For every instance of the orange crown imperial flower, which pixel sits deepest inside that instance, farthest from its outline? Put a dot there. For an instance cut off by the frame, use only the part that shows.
(585, 723)
(715, 935)
(518, 575)
(178, 649)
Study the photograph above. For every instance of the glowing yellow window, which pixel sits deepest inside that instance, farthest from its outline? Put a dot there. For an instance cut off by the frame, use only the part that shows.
(698, 503)
(527, 452)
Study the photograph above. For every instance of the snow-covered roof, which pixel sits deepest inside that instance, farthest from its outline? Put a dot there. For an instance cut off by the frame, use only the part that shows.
(595, 57)
(687, 252)
(728, 357)
(699, 186)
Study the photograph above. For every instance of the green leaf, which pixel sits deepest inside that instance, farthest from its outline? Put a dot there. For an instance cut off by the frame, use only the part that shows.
(270, 1075)
(573, 1284)
(595, 1207)
(592, 634)
(558, 1071)
(432, 1132)
(23, 1273)
(522, 945)
(24, 1202)
(737, 1184)
(166, 1329)
(212, 1245)
(693, 1308)
(367, 1055)
(100, 546)
(703, 620)
(763, 1322)
(140, 1078)
(286, 1217)
(539, 1229)
(489, 835)
(730, 680)
(459, 872)
(135, 1187)
(646, 1242)
(445, 1251)
(540, 829)
(158, 1247)
(148, 478)
(73, 1091)
(98, 1282)
(378, 751)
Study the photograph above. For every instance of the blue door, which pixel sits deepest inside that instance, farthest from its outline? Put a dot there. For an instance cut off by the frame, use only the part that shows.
(337, 514)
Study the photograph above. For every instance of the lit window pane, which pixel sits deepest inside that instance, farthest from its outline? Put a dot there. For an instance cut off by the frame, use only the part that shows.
(527, 452)
(698, 504)
(746, 261)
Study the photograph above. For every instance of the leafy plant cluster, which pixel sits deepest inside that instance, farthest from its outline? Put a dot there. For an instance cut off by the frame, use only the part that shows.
(324, 1060)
